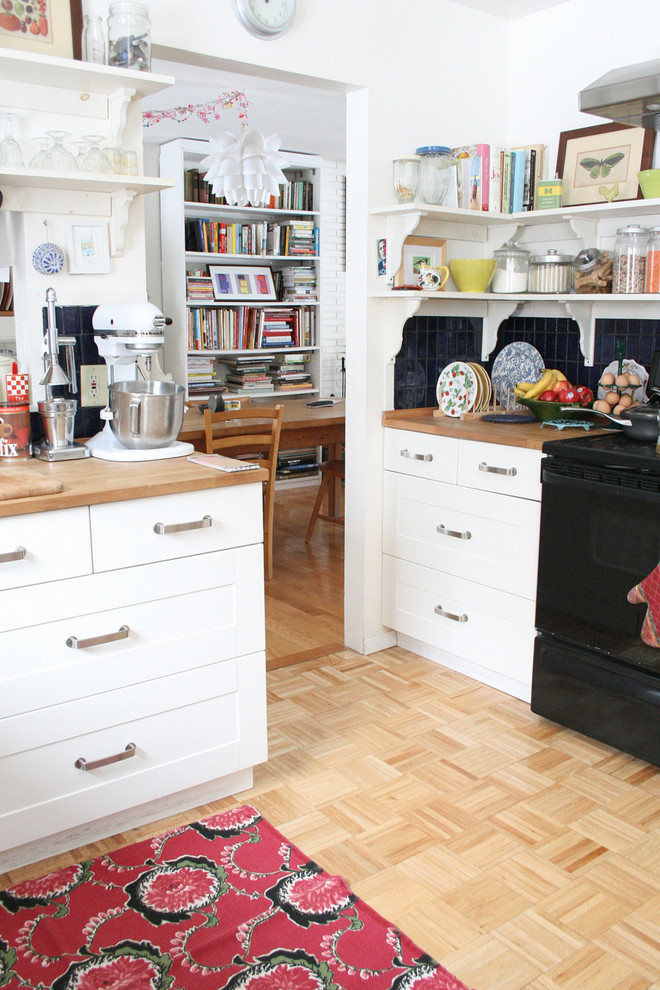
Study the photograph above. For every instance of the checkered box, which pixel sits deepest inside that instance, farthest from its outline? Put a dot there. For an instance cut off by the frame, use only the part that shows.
(18, 388)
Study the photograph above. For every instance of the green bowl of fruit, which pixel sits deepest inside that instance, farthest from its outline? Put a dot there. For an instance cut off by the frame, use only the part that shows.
(545, 410)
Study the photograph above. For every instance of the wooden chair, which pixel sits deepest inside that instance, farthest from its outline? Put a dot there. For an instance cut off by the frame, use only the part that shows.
(255, 432)
(330, 471)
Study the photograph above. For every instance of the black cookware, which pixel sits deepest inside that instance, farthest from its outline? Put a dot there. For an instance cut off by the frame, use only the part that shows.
(639, 423)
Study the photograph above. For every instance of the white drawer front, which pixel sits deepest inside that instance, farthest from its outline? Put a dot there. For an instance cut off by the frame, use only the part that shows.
(125, 533)
(216, 619)
(187, 729)
(490, 539)
(496, 631)
(422, 455)
(56, 545)
(494, 467)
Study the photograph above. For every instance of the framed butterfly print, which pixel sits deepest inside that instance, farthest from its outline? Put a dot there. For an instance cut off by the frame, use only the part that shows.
(600, 164)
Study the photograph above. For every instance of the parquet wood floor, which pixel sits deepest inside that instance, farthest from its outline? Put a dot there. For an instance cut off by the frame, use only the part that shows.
(521, 855)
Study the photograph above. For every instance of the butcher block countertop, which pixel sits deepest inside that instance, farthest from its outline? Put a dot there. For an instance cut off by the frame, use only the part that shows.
(92, 480)
(531, 435)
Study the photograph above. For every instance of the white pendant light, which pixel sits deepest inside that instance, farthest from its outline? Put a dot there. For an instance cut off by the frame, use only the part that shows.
(247, 169)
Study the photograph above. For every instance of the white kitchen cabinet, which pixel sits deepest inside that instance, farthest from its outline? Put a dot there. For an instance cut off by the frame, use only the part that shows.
(471, 233)
(460, 547)
(136, 680)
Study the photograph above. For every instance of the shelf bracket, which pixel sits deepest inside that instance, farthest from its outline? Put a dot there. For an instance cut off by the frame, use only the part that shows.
(582, 313)
(499, 236)
(395, 320)
(118, 102)
(584, 228)
(496, 313)
(399, 226)
(121, 201)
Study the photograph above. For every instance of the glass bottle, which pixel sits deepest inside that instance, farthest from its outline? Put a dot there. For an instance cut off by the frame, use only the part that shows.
(433, 176)
(511, 269)
(652, 283)
(93, 40)
(629, 259)
(129, 35)
(406, 177)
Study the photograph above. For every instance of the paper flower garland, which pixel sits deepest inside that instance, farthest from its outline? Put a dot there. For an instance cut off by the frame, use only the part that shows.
(246, 169)
(206, 112)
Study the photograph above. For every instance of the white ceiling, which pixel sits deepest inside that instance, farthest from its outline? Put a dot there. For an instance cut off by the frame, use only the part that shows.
(509, 9)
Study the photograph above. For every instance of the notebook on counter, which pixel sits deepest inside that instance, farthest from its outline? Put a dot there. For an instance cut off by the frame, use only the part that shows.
(221, 463)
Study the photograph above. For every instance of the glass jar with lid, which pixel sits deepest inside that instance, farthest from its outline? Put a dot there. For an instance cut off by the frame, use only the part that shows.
(406, 177)
(129, 35)
(652, 283)
(511, 268)
(433, 177)
(592, 271)
(550, 272)
(629, 259)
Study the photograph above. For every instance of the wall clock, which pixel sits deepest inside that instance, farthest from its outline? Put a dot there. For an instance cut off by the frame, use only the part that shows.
(265, 18)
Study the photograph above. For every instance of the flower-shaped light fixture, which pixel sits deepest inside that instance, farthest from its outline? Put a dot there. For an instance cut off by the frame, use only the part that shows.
(246, 169)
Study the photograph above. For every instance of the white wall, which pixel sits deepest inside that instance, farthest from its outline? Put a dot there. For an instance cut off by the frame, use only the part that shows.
(332, 328)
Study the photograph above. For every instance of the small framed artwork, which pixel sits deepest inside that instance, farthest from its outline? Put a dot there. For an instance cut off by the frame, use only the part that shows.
(419, 251)
(232, 283)
(88, 249)
(382, 256)
(600, 164)
(46, 27)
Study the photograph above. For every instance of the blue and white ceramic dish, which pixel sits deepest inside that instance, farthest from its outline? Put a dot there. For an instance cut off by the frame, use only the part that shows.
(517, 362)
(48, 259)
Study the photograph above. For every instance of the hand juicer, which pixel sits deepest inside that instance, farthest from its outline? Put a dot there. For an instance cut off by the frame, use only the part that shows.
(129, 338)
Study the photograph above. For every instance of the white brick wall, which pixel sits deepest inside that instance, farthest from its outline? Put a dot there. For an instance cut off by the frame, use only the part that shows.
(332, 283)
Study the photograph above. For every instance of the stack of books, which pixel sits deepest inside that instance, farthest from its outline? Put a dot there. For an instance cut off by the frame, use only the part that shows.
(297, 194)
(203, 378)
(199, 287)
(293, 237)
(248, 373)
(299, 283)
(289, 373)
(279, 328)
(494, 179)
(296, 464)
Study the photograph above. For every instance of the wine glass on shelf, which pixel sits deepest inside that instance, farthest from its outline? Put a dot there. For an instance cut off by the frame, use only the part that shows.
(10, 150)
(59, 159)
(94, 160)
(81, 149)
(40, 159)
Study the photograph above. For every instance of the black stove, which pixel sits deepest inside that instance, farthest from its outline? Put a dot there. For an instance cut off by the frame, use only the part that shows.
(603, 449)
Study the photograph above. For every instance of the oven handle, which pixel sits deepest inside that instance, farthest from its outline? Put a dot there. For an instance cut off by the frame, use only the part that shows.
(548, 477)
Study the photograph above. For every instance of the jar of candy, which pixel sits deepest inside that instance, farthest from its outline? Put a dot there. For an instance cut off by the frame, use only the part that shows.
(652, 283)
(129, 35)
(406, 177)
(433, 175)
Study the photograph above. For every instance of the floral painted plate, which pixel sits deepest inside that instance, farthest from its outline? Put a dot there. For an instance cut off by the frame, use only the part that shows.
(517, 362)
(456, 389)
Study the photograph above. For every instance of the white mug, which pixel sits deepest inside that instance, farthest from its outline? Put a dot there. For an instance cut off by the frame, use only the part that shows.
(8, 366)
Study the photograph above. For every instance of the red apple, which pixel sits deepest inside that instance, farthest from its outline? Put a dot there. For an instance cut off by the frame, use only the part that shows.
(547, 396)
(568, 395)
(559, 385)
(585, 395)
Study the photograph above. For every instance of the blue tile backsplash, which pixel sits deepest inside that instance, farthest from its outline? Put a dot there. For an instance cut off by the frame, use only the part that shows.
(431, 342)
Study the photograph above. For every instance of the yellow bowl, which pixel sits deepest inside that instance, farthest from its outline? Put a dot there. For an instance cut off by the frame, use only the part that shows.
(649, 182)
(472, 274)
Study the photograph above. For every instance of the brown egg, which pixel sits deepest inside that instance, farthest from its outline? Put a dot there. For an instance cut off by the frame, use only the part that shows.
(626, 400)
(633, 379)
(621, 381)
(619, 409)
(607, 379)
(601, 406)
(612, 398)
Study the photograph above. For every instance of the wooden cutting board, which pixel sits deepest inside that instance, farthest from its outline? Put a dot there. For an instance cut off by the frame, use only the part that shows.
(27, 487)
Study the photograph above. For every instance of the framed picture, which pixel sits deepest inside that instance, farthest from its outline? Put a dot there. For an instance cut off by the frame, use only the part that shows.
(231, 283)
(419, 251)
(88, 249)
(45, 27)
(600, 164)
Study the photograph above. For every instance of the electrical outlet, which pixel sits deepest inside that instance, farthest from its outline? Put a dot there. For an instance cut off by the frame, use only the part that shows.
(94, 385)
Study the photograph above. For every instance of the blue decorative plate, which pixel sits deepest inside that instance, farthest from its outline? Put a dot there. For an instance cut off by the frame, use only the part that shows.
(48, 259)
(517, 362)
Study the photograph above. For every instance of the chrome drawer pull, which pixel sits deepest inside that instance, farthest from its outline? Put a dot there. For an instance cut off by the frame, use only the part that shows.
(164, 528)
(456, 533)
(17, 554)
(509, 472)
(450, 615)
(81, 644)
(416, 457)
(82, 764)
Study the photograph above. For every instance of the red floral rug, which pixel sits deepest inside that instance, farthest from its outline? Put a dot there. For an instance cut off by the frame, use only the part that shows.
(226, 902)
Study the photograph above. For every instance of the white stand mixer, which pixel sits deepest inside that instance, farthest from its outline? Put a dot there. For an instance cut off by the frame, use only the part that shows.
(129, 336)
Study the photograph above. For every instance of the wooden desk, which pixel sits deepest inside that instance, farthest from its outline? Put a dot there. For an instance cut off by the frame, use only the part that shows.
(302, 426)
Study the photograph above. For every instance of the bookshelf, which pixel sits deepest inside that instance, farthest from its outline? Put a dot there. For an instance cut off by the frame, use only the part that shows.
(213, 338)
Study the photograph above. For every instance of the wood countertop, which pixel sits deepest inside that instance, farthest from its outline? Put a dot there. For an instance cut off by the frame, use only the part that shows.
(92, 481)
(531, 435)
(296, 414)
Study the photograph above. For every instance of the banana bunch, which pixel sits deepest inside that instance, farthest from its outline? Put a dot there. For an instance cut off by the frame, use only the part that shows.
(530, 390)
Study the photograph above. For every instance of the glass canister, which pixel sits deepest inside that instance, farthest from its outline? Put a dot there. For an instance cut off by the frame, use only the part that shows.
(629, 261)
(406, 177)
(511, 269)
(592, 271)
(129, 35)
(433, 177)
(652, 283)
(550, 272)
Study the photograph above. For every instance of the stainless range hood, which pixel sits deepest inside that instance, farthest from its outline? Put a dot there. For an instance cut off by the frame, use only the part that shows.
(630, 95)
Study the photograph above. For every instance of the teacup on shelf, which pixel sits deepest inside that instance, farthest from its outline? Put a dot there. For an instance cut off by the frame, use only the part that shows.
(432, 279)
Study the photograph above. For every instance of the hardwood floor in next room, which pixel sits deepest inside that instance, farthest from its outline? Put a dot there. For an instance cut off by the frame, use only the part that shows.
(305, 596)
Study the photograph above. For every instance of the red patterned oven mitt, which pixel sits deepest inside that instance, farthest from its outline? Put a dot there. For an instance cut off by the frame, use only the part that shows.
(648, 591)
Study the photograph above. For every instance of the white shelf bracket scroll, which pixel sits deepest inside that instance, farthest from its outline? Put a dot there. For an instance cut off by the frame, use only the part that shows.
(584, 228)
(118, 102)
(121, 201)
(395, 320)
(496, 313)
(399, 226)
(499, 236)
(582, 313)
